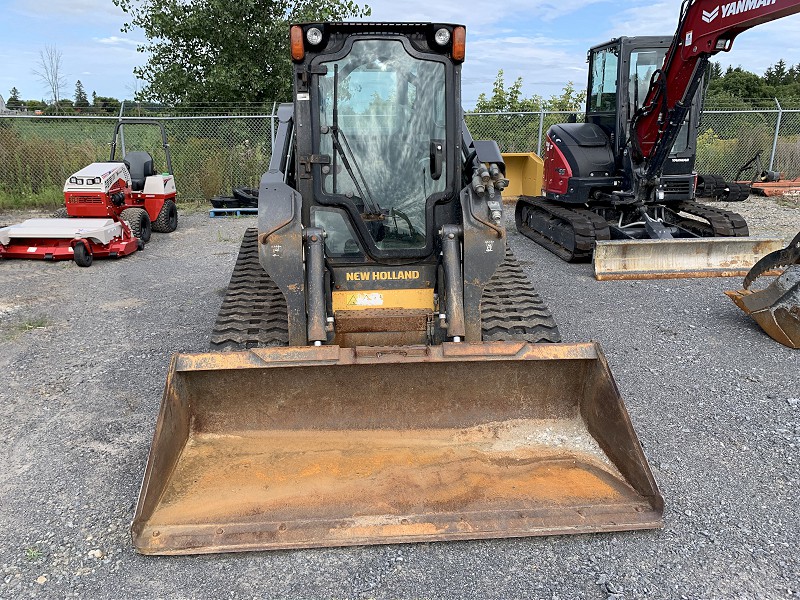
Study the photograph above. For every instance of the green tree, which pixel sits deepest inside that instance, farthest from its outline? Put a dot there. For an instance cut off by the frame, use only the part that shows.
(511, 100)
(105, 104)
(776, 74)
(13, 102)
(218, 51)
(569, 99)
(507, 99)
(513, 130)
(740, 84)
(714, 71)
(34, 105)
(81, 101)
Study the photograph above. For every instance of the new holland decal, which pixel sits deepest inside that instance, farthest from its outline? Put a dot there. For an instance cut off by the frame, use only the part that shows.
(381, 275)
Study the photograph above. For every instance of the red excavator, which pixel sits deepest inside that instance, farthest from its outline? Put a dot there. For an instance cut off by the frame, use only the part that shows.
(610, 186)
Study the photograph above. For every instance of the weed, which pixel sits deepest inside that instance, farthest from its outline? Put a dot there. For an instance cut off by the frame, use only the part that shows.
(224, 238)
(32, 323)
(32, 553)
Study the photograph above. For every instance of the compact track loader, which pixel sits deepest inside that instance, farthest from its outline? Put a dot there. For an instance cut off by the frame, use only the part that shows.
(390, 373)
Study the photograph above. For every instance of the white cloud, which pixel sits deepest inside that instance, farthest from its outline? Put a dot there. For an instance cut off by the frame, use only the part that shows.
(481, 17)
(116, 40)
(72, 9)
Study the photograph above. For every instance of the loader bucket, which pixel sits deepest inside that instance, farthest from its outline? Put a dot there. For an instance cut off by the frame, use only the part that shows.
(307, 447)
(525, 174)
(673, 258)
(776, 308)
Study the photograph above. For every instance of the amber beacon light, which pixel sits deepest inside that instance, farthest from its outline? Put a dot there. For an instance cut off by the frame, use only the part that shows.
(296, 36)
(459, 43)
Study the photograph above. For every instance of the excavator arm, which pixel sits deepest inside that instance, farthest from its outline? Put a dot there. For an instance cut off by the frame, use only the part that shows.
(706, 27)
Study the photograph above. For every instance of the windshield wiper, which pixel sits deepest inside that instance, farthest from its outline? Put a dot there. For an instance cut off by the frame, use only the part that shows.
(371, 208)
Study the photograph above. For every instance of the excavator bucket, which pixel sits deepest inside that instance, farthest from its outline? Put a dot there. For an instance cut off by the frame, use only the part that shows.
(669, 259)
(777, 307)
(525, 174)
(325, 446)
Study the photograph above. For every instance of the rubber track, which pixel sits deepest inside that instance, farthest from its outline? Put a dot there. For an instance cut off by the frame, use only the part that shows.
(253, 312)
(512, 310)
(724, 223)
(584, 225)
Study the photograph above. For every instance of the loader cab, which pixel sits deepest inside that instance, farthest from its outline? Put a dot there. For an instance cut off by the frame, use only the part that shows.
(377, 108)
(620, 73)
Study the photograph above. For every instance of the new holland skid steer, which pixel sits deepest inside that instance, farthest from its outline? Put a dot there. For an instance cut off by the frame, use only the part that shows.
(391, 376)
(621, 185)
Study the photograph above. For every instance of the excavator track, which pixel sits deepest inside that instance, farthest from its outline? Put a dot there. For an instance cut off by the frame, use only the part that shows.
(254, 313)
(568, 233)
(723, 223)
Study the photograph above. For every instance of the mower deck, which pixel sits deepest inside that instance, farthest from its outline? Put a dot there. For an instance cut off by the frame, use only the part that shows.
(55, 239)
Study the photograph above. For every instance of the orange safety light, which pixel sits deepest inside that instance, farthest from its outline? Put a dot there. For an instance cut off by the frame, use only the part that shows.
(459, 43)
(298, 49)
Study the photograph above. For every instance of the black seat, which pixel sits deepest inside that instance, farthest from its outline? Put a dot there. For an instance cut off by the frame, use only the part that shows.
(140, 166)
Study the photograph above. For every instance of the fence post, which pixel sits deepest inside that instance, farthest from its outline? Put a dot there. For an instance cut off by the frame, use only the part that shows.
(122, 128)
(541, 125)
(272, 127)
(777, 131)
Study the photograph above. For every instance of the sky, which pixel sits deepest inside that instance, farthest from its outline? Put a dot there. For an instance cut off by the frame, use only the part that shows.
(544, 42)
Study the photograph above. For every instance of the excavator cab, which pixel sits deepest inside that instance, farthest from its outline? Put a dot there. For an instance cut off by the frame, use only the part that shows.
(620, 73)
(388, 374)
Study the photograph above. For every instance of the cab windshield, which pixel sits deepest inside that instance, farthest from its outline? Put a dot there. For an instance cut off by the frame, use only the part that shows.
(382, 123)
(643, 64)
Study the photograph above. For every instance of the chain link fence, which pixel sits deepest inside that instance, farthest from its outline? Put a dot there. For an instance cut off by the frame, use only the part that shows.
(210, 154)
(727, 139)
(213, 154)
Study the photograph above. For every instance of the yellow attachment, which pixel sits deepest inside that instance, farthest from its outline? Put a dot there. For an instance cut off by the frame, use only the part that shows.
(365, 299)
(525, 174)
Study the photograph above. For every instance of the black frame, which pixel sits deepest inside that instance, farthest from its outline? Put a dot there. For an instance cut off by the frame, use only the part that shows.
(338, 39)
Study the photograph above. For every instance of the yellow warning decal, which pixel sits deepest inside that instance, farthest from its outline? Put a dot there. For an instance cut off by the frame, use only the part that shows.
(362, 299)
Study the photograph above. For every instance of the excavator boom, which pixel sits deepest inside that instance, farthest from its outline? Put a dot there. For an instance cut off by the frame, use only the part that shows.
(706, 27)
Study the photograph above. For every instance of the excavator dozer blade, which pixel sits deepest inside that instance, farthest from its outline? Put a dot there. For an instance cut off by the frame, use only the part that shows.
(313, 447)
(776, 308)
(674, 258)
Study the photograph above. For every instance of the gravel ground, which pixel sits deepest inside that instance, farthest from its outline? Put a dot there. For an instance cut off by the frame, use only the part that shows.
(83, 359)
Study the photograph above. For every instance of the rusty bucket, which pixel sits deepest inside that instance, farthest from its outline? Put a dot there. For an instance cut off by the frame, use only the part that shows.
(305, 447)
(776, 308)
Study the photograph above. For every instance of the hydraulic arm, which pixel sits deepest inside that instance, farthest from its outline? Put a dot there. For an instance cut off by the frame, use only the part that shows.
(706, 27)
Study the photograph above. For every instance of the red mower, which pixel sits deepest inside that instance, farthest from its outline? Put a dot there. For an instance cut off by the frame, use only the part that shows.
(110, 210)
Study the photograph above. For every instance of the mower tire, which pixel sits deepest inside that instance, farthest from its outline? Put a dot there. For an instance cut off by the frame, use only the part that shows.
(82, 256)
(167, 220)
(60, 213)
(138, 221)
